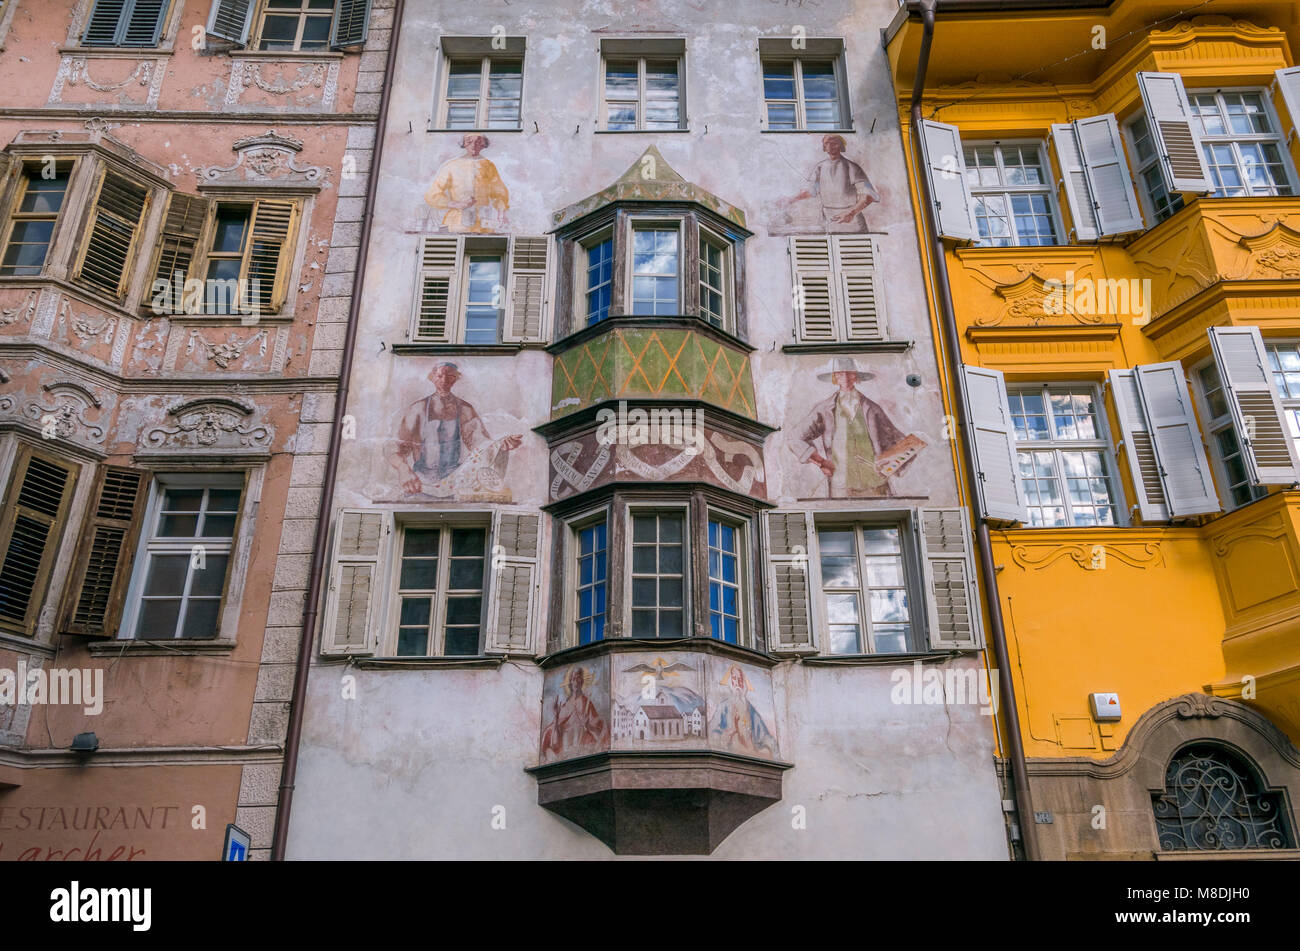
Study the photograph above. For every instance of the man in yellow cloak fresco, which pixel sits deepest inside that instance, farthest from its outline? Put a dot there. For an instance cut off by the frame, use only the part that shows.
(469, 190)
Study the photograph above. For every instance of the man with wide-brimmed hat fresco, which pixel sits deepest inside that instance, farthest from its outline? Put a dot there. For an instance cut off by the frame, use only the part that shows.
(851, 438)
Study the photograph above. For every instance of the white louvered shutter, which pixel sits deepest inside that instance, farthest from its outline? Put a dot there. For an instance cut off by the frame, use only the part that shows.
(231, 20)
(862, 304)
(948, 567)
(945, 168)
(1262, 429)
(995, 445)
(526, 302)
(816, 299)
(1184, 470)
(1138, 447)
(355, 603)
(1106, 168)
(1175, 132)
(1074, 181)
(789, 543)
(434, 310)
(1288, 84)
(513, 586)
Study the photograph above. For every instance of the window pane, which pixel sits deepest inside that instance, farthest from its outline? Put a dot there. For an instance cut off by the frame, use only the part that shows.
(778, 81)
(464, 80)
(44, 196)
(201, 618)
(158, 619)
(483, 300)
(167, 574)
(210, 580)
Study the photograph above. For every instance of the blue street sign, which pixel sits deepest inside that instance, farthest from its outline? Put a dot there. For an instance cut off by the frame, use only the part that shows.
(237, 843)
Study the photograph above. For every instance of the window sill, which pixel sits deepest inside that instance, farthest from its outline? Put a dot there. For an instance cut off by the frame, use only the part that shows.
(851, 346)
(24, 644)
(467, 349)
(640, 131)
(703, 645)
(240, 53)
(125, 52)
(478, 662)
(848, 131)
(438, 128)
(882, 660)
(628, 322)
(147, 648)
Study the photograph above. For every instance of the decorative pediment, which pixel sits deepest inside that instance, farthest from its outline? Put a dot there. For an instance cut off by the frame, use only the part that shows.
(650, 179)
(210, 423)
(1037, 300)
(267, 159)
(62, 414)
(1275, 253)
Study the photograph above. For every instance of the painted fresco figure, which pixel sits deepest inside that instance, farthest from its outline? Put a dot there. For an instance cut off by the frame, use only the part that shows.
(576, 723)
(738, 722)
(469, 191)
(439, 433)
(851, 438)
(842, 188)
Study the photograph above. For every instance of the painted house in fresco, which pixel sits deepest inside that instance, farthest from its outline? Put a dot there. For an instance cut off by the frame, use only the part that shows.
(576, 635)
(179, 219)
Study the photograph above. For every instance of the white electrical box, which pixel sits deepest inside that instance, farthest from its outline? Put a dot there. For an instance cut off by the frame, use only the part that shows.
(1105, 706)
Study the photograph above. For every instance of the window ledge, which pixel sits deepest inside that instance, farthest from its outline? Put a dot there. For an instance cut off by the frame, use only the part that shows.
(479, 662)
(851, 346)
(883, 660)
(662, 322)
(147, 648)
(614, 645)
(25, 644)
(845, 131)
(640, 131)
(285, 54)
(439, 128)
(467, 349)
(123, 52)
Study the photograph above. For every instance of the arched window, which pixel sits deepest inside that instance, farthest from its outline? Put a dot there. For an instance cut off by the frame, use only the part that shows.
(1214, 800)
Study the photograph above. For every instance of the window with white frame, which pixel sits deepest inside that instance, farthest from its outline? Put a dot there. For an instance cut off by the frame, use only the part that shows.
(591, 603)
(642, 85)
(481, 289)
(186, 554)
(295, 24)
(440, 587)
(1225, 447)
(656, 267)
(1160, 202)
(1284, 361)
(803, 93)
(715, 264)
(865, 584)
(1012, 194)
(1066, 469)
(1243, 148)
(658, 574)
(481, 86)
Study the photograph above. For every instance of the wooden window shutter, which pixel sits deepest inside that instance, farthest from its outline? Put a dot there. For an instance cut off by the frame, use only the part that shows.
(270, 250)
(435, 290)
(125, 23)
(1139, 447)
(816, 296)
(945, 168)
(105, 20)
(354, 604)
(181, 232)
(231, 20)
(1074, 181)
(1106, 167)
(31, 524)
(102, 567)
(788, 538)
(526, 307)
(1184, 470)
(1174, 132)
(863, 309)
(1288, 85)
(351, 23)
(513, 584)
(948, 567)
(1262, 429)
(995, 445)
(114, 227)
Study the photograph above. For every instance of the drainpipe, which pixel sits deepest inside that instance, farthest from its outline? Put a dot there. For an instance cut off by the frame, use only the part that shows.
(988, 574)
(303, 664)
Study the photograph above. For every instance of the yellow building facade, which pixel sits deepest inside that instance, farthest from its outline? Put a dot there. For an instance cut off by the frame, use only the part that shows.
(1116, 194)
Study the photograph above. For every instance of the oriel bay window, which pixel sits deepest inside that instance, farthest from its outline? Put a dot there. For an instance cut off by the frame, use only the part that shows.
(678, 264)
(674, 566)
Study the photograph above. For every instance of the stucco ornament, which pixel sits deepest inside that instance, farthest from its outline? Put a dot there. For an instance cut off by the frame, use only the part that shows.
(246, 74)
(23, 310)
(63, 416)
(210, 424)
(225, 352)
(262, 159)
